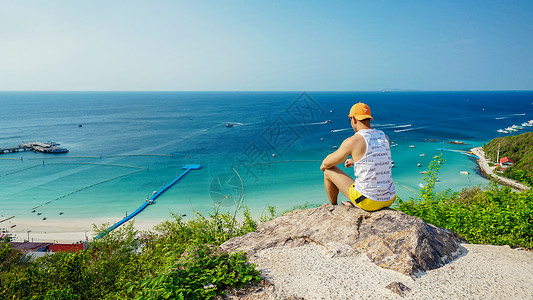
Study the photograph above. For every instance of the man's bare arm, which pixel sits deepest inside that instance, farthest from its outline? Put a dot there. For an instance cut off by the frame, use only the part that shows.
(338, 156)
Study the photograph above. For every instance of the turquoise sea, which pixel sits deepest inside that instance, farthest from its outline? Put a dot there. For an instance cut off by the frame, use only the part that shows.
(132, 143)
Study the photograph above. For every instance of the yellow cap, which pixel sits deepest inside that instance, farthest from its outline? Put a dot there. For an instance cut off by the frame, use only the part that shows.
(360, 111)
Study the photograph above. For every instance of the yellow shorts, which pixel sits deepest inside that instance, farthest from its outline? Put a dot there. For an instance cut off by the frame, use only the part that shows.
(368, 204)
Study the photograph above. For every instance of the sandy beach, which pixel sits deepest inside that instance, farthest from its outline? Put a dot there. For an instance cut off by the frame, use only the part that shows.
(64, 231)
(481, 272)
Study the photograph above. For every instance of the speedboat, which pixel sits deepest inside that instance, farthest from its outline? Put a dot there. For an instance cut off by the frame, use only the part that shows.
(327, 121)
(228, 125)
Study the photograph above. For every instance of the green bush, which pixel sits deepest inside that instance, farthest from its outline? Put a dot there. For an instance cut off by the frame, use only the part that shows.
(127, 264)
(202, 274)
(496, 215)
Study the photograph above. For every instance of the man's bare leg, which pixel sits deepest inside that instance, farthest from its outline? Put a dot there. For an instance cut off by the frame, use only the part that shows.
(336, 180)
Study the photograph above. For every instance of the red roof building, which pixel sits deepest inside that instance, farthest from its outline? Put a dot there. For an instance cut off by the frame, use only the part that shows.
(30, 247)
(506, 161)
(65, 247)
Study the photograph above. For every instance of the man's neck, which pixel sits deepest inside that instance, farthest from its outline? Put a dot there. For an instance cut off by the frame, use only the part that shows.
(361, 126)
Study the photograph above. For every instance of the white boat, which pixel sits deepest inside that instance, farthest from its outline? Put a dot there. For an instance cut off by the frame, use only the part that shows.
(423, 172)
(464, 172)
(423, 155)
(411, 146)
(421, 185)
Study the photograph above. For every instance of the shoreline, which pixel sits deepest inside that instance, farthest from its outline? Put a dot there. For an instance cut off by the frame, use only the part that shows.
(488, 173)
(64, 231)
(75, 230)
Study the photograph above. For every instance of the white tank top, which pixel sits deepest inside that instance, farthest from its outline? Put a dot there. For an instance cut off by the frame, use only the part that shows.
(372, 172)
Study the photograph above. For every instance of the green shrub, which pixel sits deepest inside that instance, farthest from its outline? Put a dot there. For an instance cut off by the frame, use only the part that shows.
(496, 215)
(202, 274)
(124, 262)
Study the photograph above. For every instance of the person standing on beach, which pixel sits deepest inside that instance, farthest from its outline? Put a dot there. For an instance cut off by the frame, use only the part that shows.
(373, 187)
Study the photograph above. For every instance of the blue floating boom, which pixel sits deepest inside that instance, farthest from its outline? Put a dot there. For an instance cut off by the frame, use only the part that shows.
(149, 201)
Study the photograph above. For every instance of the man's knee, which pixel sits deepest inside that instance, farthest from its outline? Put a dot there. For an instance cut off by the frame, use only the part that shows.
(331, 171)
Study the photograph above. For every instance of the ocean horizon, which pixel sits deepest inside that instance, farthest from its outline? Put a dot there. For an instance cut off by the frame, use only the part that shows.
(259, 148)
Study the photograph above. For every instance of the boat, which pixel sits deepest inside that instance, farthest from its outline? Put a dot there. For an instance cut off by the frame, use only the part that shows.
(423, 172)
(48, 147)
(419, 165)
(411, 146)
(229, 125)
(327, 121)
(423, 155)
(464, 172)
(421, 185)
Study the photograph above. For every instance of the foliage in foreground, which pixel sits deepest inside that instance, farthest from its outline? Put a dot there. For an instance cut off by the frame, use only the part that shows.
(174, 261)
(496, 215)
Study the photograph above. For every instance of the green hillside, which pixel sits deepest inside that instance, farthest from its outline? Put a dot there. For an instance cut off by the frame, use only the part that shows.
(518, 148)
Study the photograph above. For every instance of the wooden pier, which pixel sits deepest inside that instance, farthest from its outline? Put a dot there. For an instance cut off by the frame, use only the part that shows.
(48, 147)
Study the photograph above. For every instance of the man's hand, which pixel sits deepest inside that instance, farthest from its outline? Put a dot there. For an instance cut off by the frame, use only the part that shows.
(348, 163)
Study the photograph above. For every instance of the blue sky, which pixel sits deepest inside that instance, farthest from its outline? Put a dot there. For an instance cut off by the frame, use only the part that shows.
(266, 45)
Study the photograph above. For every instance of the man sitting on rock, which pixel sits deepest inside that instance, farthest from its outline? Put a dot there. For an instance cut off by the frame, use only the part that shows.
(373, 188)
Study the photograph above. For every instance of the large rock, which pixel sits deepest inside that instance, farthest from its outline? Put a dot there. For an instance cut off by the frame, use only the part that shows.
(390, 238)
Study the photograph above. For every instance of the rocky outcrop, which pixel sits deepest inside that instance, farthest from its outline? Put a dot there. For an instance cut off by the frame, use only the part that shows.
(390, 238)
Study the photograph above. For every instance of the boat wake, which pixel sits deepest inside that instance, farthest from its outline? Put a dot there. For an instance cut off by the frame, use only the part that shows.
(317, 123)
(409, 129)
(234, 124)
(397, 126)
(509, 116)
(339, 130)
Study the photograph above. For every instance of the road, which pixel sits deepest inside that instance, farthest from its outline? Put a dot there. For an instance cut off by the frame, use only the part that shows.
(486, 170)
